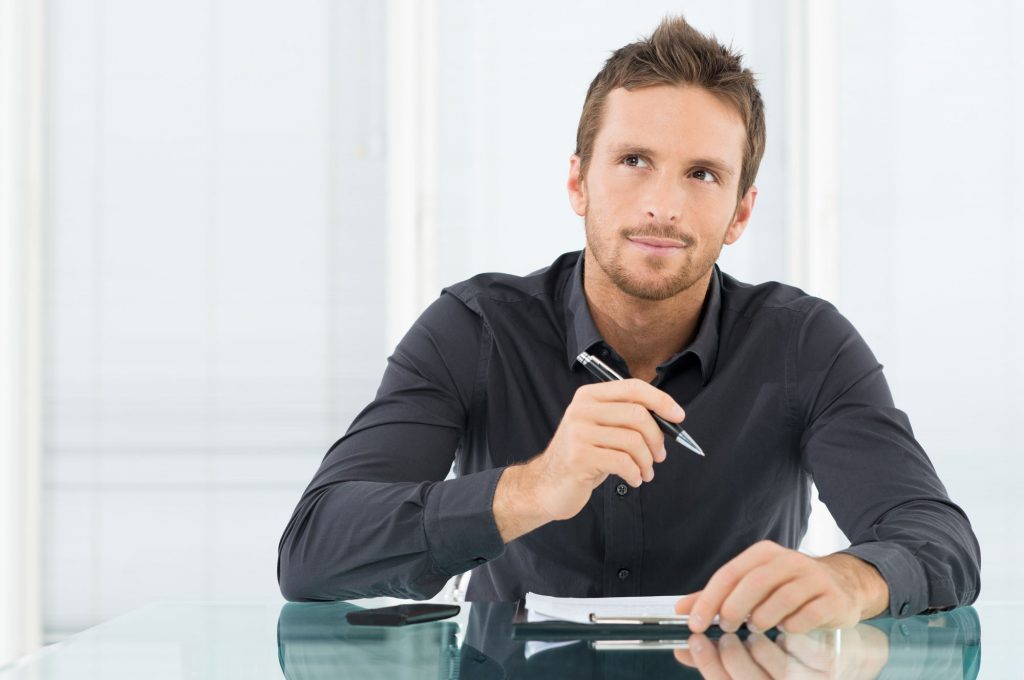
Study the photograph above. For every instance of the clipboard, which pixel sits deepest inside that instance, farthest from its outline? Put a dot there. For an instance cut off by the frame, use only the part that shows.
(554, 631)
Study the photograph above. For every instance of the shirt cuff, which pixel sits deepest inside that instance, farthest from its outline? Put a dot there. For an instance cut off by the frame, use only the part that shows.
(908, 584)
(458, 521)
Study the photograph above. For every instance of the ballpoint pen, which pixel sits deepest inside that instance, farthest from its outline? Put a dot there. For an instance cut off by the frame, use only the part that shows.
(604, 372)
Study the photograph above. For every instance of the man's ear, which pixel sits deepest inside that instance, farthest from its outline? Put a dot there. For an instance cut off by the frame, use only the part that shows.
(577, 187)
(744, 209)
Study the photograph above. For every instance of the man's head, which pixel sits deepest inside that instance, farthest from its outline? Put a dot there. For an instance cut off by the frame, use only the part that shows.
(669, 142)
(678, 54)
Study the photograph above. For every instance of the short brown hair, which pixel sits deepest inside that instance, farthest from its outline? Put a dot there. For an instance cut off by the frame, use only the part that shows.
(678, 54)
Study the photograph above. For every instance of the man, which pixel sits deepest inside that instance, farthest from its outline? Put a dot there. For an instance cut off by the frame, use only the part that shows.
(566, 486)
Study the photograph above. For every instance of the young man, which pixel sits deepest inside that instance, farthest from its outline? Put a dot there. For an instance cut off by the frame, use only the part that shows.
(567, 486)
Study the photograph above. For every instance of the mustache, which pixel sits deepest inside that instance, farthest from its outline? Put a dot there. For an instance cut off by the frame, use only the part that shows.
(657, 231)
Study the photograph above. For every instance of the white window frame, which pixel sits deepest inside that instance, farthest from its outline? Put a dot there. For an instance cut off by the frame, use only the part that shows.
(22, 152)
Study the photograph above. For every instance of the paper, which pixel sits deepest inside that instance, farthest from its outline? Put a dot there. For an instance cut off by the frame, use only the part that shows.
(579, 609)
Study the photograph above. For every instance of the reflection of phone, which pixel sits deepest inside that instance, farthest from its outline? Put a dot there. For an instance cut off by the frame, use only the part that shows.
(402, 614)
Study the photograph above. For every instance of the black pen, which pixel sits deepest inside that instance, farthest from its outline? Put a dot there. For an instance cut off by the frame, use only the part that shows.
(603, 371)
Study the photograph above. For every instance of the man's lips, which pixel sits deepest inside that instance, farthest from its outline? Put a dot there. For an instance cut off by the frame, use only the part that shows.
(655, 244)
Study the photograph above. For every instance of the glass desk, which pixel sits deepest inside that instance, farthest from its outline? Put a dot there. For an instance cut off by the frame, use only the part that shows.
(274, 640)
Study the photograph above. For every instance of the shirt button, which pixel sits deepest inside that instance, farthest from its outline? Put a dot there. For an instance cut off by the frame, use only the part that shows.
(622, 489)
(904, 608)
(623, 574)
(480, 560)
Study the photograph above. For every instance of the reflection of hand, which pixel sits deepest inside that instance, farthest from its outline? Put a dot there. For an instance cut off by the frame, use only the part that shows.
(865, 651)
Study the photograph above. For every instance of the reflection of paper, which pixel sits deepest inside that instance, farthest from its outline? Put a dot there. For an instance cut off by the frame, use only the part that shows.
(579, 609)
(537, 646)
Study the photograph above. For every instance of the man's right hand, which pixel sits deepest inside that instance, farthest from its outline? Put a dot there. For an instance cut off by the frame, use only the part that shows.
(607, 429)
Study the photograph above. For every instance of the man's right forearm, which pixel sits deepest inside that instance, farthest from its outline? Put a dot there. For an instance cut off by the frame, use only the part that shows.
(517, 510)
(402, 539)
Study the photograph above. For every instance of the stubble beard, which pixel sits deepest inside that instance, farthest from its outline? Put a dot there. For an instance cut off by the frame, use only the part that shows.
(610, 259)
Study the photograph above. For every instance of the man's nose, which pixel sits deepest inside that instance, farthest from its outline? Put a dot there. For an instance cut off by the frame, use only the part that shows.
(664, 201)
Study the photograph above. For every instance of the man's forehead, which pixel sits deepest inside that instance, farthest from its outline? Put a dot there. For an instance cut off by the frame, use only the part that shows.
(663, 117)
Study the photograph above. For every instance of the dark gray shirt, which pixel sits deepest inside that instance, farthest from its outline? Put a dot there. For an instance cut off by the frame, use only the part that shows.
(779, 390)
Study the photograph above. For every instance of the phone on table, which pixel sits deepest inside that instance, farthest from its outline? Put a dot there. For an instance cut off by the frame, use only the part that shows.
(402, 614)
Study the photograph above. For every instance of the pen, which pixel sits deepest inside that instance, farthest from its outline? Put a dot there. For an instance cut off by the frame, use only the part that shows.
(604, 372)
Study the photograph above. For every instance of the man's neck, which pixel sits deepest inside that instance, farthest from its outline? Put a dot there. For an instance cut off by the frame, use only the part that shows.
(645, 333)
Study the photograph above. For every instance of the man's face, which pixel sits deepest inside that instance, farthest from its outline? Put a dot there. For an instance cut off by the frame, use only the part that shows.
(659, 196)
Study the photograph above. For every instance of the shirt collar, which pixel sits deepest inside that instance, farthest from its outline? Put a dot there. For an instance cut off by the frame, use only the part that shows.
(582, 333)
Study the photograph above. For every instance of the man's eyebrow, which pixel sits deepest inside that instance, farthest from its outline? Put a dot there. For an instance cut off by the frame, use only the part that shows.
(716, 164)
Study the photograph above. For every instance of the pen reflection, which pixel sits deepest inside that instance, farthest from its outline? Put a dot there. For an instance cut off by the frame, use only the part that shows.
(315, 641)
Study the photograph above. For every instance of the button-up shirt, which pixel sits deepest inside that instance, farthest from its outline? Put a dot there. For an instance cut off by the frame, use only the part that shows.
(779, 390)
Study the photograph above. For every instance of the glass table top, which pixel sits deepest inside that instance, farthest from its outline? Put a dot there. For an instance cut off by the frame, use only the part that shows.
(271, 640)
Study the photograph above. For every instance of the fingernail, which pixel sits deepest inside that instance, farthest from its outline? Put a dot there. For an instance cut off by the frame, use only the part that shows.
(650, 475)
(697, 621)
(697, 646)
(752, 628)
(678, 412)
(663, 455)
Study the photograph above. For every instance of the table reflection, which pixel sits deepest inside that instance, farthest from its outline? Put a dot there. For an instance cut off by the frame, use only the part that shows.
(315, 641)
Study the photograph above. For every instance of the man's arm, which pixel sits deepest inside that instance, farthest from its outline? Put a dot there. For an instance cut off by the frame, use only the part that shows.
(377, 519)
(874, 476)
(911, 549)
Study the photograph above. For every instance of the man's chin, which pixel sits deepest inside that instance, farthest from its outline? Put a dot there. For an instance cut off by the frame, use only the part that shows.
(654, 289)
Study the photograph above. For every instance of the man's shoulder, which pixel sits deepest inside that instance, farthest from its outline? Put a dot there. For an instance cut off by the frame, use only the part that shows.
(544, 285)
(768, 298)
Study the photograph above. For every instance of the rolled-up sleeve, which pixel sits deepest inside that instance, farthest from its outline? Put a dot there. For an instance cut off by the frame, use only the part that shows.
(871, 472)
(379, 518)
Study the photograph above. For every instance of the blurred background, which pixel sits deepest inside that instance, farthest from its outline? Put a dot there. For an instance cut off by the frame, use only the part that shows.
(217, 218)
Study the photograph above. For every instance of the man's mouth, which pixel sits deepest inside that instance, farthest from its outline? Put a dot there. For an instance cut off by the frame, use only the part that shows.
(654, 244)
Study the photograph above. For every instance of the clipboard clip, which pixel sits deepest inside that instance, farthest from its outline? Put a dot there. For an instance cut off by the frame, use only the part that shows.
(678, 620)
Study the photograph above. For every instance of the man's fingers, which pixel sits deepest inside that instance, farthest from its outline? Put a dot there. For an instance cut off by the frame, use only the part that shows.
(724, 580)
(785, 601)
(639, 392)
(627, 441)
(685, 603)
(633, 416)
(815, 614)
(753, 588)
(618, 463)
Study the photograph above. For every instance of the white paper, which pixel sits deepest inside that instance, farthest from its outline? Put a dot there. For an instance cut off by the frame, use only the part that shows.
(579, 609)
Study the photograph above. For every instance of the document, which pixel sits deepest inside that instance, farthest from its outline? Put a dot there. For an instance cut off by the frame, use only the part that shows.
(596, 609)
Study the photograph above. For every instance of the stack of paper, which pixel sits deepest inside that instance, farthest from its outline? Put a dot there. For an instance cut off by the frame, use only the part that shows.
(579, 609)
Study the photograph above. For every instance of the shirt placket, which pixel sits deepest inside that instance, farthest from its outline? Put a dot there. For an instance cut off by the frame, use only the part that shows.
(623, 544)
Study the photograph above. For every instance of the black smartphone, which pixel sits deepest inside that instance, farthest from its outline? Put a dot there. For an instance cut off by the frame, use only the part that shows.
(402, 614)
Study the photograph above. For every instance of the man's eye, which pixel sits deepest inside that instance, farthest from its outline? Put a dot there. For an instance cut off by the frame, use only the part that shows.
(634, 161)
(705, 176)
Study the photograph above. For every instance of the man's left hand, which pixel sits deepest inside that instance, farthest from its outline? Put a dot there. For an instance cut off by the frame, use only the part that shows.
(767, 585)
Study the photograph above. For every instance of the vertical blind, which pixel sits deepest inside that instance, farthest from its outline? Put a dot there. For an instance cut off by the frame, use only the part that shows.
(214, 315)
